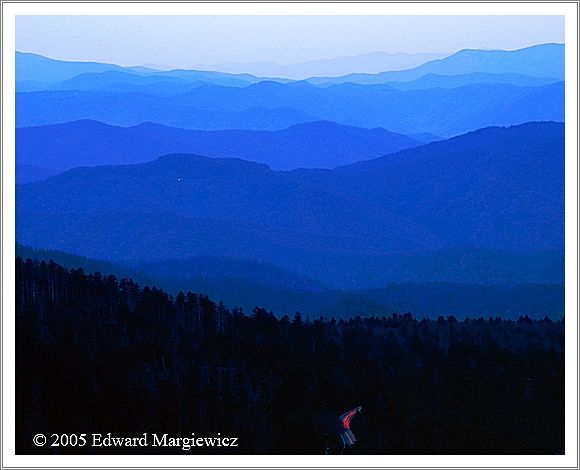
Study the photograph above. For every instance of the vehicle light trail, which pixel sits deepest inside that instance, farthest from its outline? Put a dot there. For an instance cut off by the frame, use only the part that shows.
(348, 437)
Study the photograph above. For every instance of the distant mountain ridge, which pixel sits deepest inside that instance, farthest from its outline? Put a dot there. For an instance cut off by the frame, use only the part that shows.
(372, 62)
(274, 106)
(480, 178)
(468, 90)
(304, 145)
(433, 80)
(285, 293)
(43, 70)
(495, 188)
(542, 60)
(35, 67)
(131, 82)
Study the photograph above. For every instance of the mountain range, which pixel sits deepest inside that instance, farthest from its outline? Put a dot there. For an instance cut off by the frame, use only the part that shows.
(542, 60)
(434, 188)
(272, 106)
(244, 283)
(372, 62)
(46, 72)
(305, 145)
(445, 97)
(433, 80)
(495, 188)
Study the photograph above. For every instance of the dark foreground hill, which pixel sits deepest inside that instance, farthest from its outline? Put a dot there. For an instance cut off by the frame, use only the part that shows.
(497, 188)
(101, 355)
(307, 145)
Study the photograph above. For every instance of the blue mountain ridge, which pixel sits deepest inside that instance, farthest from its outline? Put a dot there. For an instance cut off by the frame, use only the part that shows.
(465, 91)
(272, 106)
(495, 188)
(542, 60)
(40, 69)
(304, 145)
(432, 80)
(26, 173)
(245, 283)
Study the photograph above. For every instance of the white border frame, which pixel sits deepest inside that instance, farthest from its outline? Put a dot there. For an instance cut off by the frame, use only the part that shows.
(11, 9)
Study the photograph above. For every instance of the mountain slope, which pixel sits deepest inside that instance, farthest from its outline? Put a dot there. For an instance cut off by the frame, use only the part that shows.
(48, 73)
(30, 173)
(432, 80)
(542, 60)
(480, 188)
(36, 67)
(307, 145)
(129, 81)
(497, 188)
(248, 284)
(372, 62)
(271, 105)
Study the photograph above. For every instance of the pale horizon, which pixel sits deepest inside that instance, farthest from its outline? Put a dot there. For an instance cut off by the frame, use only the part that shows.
(187, 41)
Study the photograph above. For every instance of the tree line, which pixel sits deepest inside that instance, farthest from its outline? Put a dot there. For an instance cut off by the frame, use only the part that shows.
(97, 354)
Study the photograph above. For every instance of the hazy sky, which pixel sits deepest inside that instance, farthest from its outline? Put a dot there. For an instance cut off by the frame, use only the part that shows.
(181, 41)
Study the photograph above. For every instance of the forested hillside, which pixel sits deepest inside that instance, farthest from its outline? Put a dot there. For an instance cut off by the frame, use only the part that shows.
(98, 354)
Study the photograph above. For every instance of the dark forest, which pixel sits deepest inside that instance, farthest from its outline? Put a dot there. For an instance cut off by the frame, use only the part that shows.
(96, 355)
